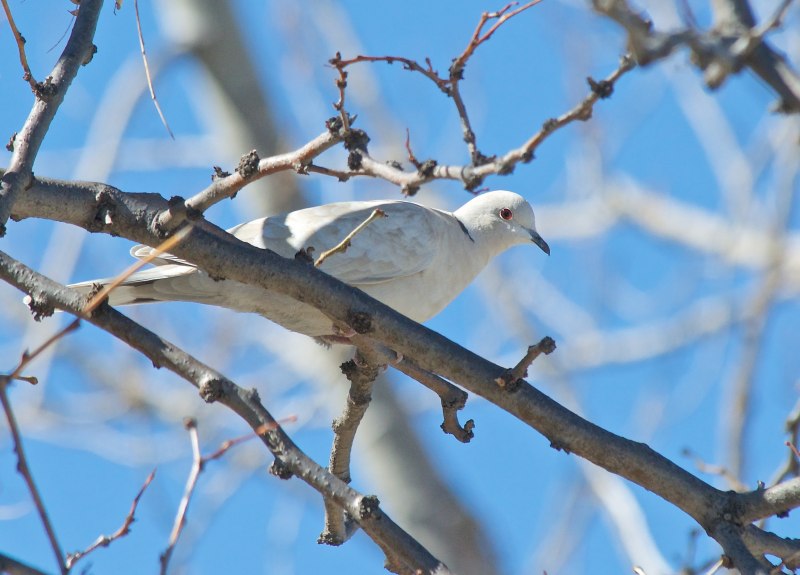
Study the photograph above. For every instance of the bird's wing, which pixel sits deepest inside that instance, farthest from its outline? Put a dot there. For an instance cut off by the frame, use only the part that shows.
(401, 244)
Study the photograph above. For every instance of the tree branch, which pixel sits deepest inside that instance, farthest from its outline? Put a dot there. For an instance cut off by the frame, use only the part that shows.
(49, 95)
(361, 373)
(402, 551)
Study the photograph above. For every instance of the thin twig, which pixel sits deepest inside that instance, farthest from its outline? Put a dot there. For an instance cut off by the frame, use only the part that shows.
(345, 243)
(198, 465)
(720, 470)
(94, 301)
(28, 357)
(228, 444)
(162, 248)
(449, 85)
(479, 37)
(191, 483)
(221, 188)
(791, 466)
(23, 59)
(341, 84)
(24, 470)
(106, 540)
(511, 376)
(408, 64)
(147, 70)
(457, 72)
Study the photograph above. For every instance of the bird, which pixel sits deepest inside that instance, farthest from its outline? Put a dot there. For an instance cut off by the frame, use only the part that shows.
(416, 259)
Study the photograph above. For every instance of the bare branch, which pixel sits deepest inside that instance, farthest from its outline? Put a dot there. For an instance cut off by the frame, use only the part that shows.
(163, 247)
(457, 72)
(27, 476)
(361, 373)
(545, 346)
(450, 86)
(228, 185)
(49, 95)
(729, 46)
(452, 398)
(147, 70)
(106, 540)
(191, 482)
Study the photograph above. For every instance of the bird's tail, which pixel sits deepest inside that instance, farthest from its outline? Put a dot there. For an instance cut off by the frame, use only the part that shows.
(162, 283)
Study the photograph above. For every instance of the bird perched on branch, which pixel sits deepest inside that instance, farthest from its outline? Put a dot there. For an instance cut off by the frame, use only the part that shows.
(415, 259)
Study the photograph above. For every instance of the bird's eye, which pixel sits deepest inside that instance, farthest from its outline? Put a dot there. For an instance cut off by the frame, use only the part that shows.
(506, 214)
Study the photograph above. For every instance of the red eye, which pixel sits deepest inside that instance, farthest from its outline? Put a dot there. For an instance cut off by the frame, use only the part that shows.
(506, 214)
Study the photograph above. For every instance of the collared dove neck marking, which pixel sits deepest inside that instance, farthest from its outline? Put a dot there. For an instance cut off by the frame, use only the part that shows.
(416, 260)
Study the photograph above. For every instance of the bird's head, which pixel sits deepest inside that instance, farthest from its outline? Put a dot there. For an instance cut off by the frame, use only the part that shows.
(502, 218)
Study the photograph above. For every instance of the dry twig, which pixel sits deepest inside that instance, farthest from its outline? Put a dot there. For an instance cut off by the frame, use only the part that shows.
(199, 462)
(23, 59)
(147, 70)
(449, 85)
(106, 540)
(342, 246)
(511, 376)
(228, 185)
(25, 471)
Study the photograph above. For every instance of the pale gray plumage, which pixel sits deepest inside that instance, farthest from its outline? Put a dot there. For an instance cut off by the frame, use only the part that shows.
(416, 260)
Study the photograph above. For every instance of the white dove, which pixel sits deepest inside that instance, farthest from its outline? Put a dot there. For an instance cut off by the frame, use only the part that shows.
(415, 260)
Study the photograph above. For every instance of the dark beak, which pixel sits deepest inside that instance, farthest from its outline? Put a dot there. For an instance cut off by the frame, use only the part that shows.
(539, 241)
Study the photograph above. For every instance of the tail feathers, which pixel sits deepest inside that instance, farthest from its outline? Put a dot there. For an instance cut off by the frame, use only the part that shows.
(163, 283)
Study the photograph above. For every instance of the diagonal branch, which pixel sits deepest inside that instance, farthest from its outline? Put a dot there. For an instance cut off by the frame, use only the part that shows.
(125, 528)
(24, 470)
(342, 246)
(49, 95)
(251, 168)
(402, 551)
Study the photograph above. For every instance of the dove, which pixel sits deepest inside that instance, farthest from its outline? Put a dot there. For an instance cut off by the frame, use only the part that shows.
(416, 259)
